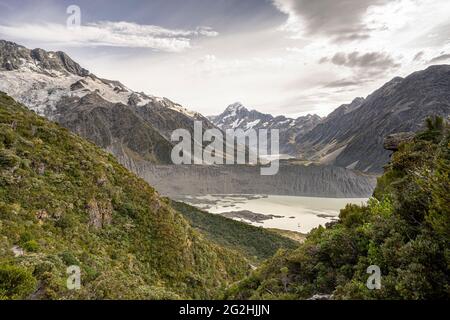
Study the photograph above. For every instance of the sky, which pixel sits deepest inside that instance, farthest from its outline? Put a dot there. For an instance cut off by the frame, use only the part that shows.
(284, 57)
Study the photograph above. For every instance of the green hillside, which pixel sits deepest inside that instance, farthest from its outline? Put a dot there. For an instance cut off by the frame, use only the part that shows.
(64, 201)
(255, 243)
(404, 229)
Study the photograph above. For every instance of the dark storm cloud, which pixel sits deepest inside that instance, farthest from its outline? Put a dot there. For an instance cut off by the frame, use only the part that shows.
(341, 20)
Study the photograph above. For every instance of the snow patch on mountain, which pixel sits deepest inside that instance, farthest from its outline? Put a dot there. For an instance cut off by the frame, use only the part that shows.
(41, 79)
(38, 91)
(252, 124)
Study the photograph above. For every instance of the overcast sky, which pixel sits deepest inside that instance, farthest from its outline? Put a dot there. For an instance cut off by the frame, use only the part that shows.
(290, 57)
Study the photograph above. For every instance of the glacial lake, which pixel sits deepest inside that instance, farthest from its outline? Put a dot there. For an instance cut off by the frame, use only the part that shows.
(292, 213)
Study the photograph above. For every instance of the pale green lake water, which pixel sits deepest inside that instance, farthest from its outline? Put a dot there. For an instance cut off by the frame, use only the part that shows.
(299, 214)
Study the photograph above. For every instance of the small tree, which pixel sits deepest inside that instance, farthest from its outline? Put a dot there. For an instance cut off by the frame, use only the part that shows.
(435, 127)
(436, 124)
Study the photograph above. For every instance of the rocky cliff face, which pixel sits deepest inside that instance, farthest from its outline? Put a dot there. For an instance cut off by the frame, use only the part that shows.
(353, 135)
(115, 127)
(393, 141)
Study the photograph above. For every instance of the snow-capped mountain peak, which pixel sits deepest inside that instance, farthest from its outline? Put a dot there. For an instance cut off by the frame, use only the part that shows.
(237, 116)
(235, 107)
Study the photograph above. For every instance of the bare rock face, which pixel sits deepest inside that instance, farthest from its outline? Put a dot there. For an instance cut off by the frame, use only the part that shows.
(115, 127)
(393, 141)
(17, 251)
(41, 216)
(100, 213)
(41, 169)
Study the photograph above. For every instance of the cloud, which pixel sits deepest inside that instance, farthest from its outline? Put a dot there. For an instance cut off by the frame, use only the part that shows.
(419, 56)
(342, 83)
(443, 57)
(437, 36)
(370, 60)
(111, 34)
(342, 20)
(362, 69)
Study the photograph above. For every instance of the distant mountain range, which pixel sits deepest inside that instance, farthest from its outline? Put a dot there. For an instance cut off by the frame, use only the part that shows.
(352, 136)
(136, 127)
(236, 116)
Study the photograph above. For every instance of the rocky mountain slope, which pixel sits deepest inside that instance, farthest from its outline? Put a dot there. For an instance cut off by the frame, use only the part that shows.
(64, 202)
(236, 116)
(352, 136)
(292, 179)
(132, 125)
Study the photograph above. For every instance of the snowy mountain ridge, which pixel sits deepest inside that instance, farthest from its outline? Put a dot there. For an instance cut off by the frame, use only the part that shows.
(40, 79)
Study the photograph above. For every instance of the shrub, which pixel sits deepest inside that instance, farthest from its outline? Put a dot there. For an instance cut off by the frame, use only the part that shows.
(7, 136)
(31, 246)
(8, 159)
(15, 283)
(42, 268)
(68, 258)
(65, 222)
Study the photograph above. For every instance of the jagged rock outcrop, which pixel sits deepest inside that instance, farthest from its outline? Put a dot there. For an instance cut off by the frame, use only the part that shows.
(14, 56)
(393, 141)
(100, 213)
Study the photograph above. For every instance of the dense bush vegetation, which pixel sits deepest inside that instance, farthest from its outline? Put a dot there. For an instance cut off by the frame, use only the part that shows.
(404, 229)
(65, 202)
(15, 282)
